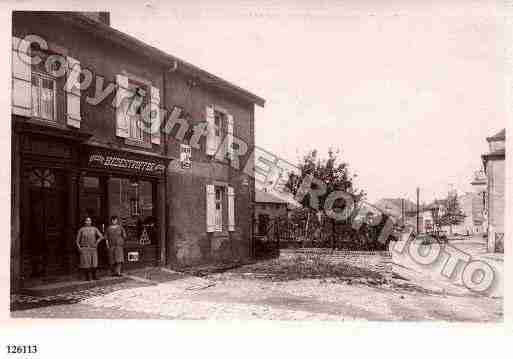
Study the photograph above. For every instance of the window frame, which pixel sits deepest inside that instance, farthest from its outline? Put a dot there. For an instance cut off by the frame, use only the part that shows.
(40, 76)
(219, 130)
(138, 84)
(219, 214)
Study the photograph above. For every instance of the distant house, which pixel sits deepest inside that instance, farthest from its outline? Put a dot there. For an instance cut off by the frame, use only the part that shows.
(266, 208)
(472, 206)
(494, 167)
(396, 207)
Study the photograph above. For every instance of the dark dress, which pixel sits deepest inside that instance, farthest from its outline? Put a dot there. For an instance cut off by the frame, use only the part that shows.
(115, 234)
(87, 241)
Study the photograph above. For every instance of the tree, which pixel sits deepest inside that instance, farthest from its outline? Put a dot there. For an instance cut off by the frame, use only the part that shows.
(453, 215)
(322, 177)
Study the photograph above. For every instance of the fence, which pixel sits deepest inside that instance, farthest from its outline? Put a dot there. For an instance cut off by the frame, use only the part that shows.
(311, 232)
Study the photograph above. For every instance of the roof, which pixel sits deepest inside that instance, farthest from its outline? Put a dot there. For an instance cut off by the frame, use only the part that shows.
(495, 154)
(499, 136)
(265, 197)
(109, 33)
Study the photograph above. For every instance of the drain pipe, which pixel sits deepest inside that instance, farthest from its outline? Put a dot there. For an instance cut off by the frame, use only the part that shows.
(166, 248)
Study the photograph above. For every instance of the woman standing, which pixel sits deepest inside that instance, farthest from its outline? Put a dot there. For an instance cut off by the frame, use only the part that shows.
(88, 238)
(115, 235)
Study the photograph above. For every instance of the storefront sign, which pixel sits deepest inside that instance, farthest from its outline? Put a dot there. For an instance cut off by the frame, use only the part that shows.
(118, 162)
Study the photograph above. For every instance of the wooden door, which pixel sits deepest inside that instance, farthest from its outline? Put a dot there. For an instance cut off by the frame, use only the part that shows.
(47, 223)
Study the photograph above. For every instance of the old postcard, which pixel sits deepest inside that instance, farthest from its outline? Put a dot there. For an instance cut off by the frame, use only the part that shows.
(323, 161)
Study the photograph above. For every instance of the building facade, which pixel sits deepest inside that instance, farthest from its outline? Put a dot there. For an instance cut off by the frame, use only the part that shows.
(267, 208)
(494, 167)
(102, 125)
(471, 203)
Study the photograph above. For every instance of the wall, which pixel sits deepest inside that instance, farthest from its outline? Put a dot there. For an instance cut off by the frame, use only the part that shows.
(104, 59)
(189, 242)
(496, 201)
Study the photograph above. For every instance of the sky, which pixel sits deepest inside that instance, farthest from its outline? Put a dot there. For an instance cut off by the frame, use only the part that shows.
(407, 91)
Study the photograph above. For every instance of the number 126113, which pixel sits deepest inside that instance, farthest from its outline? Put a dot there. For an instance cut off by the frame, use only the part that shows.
(21, 349)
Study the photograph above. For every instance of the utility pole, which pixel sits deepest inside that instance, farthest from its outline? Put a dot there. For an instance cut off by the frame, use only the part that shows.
(402, 211)
(418, 222)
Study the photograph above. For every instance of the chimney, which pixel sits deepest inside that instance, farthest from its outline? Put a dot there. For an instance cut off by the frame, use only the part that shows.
(100, 16)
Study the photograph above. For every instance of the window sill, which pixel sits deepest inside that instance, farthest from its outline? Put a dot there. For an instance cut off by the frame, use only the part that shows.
(137, 143)
(40, 120)
(224, 233)
(220, 234)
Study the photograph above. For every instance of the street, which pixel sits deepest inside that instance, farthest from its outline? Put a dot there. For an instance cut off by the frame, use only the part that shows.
(275, 290)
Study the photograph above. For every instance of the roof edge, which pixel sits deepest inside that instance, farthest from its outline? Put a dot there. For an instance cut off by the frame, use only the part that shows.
(106, 32)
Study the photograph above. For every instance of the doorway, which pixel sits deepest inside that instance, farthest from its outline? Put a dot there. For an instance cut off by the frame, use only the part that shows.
(92, 204)
(46, 240)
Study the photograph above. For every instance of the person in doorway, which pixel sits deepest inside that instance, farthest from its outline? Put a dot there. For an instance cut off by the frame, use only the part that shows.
(88, 238)
(115, 236)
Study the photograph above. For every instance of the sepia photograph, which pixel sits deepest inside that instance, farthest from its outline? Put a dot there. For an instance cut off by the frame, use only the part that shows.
(329, 161)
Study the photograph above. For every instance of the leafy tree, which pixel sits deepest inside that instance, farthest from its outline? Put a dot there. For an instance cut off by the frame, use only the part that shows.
(317, 179)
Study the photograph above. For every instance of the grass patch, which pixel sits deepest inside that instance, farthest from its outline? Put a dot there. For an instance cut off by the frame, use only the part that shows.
(308, 266)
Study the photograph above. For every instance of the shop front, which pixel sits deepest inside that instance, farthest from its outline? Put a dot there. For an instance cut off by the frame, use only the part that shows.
(131, 187)
(62, 181)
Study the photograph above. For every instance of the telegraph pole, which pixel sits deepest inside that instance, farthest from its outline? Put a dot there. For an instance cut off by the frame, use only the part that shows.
(418, 223)
(402, 211)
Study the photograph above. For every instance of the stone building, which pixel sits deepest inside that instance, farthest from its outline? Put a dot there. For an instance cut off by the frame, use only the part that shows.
(267, 208)
(104, 124)
(494, 167)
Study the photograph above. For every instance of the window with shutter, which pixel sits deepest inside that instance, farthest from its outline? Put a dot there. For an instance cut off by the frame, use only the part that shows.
(210, 194)
(231, 209)
(218, 214)
(155, 115)
(210, 147)
(229, 119)
(121, 104)
(139, 98)
(43, 97)
(73, 117)
(220, 124)
(21, 78)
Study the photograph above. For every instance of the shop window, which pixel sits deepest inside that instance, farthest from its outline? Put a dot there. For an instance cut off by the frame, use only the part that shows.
(91, 201)
(91, 182)
(133, 202)
(43, 97)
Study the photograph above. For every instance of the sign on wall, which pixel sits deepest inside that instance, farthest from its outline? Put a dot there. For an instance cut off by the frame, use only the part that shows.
(123, 162)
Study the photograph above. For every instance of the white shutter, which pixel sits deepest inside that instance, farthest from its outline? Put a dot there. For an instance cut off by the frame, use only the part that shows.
(231, 209)
(211, 208)
(230, 136)
(21, 78)
(155, 115)
(121, 106)
(73, 93)
(211, 146)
